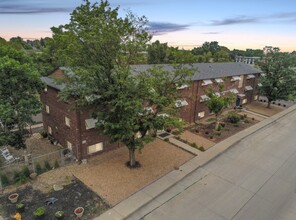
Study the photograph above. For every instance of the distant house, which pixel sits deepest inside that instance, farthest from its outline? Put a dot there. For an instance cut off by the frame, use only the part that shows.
(74, 128)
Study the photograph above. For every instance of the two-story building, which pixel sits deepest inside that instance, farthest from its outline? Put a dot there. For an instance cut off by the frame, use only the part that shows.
(74, 128)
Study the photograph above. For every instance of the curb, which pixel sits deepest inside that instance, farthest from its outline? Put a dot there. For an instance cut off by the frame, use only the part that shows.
(147, 194)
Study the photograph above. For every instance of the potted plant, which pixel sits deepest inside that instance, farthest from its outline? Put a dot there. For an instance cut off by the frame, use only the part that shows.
(39, 213)
(59, 215)
(20, 207)
(79, 211)
(13, 197)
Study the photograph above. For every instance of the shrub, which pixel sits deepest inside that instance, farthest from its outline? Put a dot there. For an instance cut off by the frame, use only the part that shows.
(222, 124)
(236, 125)
(47, 165)
(166, 139)
(43, 134)
(253, 119)
(194, 145)
(19, 177)
(219, 128)
(233, 118)
(207, 132)
(39, 211)
(56, 164)
(39, 169)
(202, 149)
(218, 133)
(196, 130)
(4, 180)
(26, 172)
(211, 136)
(246, 121)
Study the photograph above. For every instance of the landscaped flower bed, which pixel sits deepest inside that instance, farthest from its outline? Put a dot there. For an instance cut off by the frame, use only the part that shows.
(228, 127)
(70, 197)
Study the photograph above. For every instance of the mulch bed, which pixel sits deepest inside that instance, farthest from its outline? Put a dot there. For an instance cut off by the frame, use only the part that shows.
(208, 130)
(70, 197)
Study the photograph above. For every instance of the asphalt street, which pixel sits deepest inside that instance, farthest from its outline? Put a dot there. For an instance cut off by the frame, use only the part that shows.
(253, 180)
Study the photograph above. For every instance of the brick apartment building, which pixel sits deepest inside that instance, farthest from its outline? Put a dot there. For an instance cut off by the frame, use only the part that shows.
(74, 128)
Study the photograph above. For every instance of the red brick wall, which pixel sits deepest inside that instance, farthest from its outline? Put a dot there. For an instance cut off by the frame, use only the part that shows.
(196, 90)
(77, 132)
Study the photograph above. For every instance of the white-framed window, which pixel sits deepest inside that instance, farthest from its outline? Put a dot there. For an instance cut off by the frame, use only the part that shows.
(95, 148)
(204, 98)
(49, 130)
(248, 88)
(90, 123)
(201, 114)
(181, 103)
(47, 109)
(219, 80)
(206, 82)
(255, 97)
(244, 101)
(67, 121)
(218, 94)
(183, 87)
(233, 91)
(250, 76)
(235, 78)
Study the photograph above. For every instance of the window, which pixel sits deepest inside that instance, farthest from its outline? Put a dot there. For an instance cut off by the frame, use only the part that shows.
(235, 78)
(248, 88)
(95, 148)
(206, 82)
(218, 94)
(201, 114)
(45, 89)
(183, 87)
(47, 109)
(49, 130)
(90, 123)
(244, 101)
(204, 98)
(250, 76)
(69, 145)
(219, 80)
(255, 97)
(67, 121)
(233, 91)
(181, 103)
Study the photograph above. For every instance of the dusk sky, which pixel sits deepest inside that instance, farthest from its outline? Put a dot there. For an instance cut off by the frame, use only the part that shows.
(184, 23)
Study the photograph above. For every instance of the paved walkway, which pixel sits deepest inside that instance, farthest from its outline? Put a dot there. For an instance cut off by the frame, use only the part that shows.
(130, 207)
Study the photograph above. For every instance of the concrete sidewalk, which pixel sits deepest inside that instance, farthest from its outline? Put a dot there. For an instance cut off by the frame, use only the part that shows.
(148, 194)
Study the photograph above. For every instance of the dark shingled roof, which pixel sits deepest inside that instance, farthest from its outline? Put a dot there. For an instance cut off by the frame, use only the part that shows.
(204, 71)
(52, 83)
(210, 70)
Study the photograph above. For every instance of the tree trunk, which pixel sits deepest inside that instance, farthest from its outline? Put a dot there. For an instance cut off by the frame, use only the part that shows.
(268, 104)
(217, 123)
(132, 159)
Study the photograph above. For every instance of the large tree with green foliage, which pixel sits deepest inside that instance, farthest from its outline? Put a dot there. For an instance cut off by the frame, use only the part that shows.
(99, 47)
(218, 102)
(279, 81)
(19, 84)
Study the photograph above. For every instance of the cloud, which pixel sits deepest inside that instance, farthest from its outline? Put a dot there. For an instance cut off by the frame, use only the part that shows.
(236, 20)
(24, 9)
(277, 17)
(211, 33)
(159, 28)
